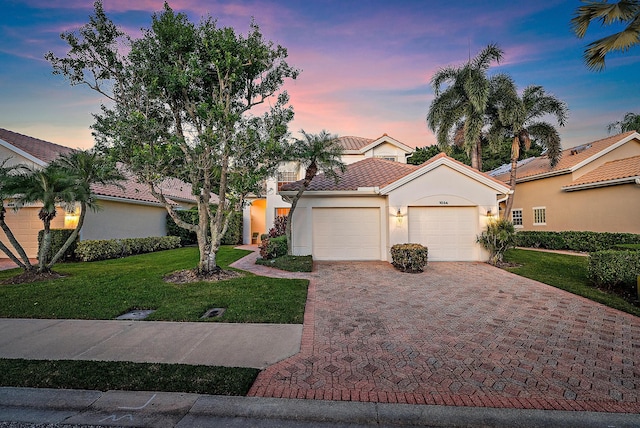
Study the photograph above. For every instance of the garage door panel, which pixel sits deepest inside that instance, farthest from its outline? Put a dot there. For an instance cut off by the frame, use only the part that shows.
(448, 232)
(346, 233)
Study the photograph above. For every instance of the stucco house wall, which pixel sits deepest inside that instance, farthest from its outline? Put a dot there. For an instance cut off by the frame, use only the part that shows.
(115, 220)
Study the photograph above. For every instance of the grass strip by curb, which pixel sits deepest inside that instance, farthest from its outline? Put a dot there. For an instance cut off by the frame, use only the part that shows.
(128, 376)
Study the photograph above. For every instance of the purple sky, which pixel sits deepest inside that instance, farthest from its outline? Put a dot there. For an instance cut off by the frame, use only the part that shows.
(366, 65)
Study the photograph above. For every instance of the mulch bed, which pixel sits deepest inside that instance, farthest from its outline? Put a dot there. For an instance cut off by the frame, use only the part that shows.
(193, 275)
(31, 276)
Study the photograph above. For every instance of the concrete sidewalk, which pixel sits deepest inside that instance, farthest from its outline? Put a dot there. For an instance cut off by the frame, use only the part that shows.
(199, 343)
(162, 409)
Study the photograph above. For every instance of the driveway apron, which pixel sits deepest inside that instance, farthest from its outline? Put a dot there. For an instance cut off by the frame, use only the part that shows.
(464, 334)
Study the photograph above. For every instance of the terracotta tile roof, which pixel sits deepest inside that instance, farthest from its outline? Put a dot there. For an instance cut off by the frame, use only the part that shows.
(570, 158)
(613, 170)
(370, 172)
(40, 149)
(354, 143)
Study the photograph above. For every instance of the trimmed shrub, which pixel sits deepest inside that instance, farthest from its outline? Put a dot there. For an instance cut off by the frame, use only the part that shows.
(233, 236)
(409, 257)
(279, 227)
(609, 269)
(58, 238)
(574, 241)
(497, 239)
(271, 248)
(103, 249)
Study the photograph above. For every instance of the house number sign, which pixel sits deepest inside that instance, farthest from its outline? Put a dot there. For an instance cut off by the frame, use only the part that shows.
(444, 203)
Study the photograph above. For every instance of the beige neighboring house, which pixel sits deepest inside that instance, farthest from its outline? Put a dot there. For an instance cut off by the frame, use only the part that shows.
(130, 212)
(442, 204)
(594, 187)
(260, 212)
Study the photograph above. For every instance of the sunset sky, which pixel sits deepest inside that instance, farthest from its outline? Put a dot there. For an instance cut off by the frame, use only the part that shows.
(366, 65)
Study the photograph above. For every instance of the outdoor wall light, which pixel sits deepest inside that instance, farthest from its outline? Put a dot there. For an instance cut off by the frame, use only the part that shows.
(489, 213)
(399, 216)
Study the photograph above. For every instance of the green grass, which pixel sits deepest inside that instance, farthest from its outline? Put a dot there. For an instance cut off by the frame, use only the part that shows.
(566, 272)
(289, 263)
(106, 289)
(108, 375)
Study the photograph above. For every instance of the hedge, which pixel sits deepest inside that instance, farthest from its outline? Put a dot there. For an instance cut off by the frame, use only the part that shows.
(611, 268)
(574, 241)
(187, 237)
(58, 238)
(103, 249)
(409, 257)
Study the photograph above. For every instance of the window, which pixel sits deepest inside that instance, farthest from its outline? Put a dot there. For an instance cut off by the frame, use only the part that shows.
(516, 217)
(282, 212)
(285, 177)
(539, 216)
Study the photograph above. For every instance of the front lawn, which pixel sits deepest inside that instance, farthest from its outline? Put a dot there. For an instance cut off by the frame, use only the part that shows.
(566, 272)
(289, 263)
(107, 289)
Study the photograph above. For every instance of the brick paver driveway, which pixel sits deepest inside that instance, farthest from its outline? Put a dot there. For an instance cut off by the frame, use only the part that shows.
(457, 334)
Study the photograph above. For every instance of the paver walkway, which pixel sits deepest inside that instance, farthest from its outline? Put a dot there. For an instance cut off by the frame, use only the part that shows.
(464, 334)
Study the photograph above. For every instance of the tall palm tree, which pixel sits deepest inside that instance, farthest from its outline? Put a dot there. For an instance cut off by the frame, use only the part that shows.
(315, 153)
(630, 122)
(462, 104)
(51, 186)
(520, 119)
(624, 11)
(85, 168)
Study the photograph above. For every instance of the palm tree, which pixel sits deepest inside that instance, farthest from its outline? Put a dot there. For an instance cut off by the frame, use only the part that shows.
(85, 168)
(630, 122)
(462, 105)
(315, 153)
(623, 11)
(50, 186)
(519, 118)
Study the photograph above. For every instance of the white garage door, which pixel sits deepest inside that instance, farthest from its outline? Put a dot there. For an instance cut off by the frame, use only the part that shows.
(346, 233)
(448, 232)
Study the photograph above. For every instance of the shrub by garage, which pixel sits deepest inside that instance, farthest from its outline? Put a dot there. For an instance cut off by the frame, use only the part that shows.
(609, 269)
(409, 257)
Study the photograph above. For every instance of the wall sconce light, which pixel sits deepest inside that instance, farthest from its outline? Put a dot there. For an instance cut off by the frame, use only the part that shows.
(71, 218)
(399, 216)
(489, 213)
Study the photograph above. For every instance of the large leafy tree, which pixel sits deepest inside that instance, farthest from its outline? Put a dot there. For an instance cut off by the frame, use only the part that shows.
(630, 122)
(460, 103)
(180, 106)
(316, 153)
(521, 119)
(626, 12)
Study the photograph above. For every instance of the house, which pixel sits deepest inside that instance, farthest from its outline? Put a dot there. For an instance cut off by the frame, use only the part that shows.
(442, 204)
(260, 212)
(127, 212)
(594, 187)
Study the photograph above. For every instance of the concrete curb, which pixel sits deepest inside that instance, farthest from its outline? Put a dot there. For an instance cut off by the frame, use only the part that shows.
(181, 410)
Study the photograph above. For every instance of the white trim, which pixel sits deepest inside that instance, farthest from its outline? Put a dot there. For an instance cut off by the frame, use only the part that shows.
(368, 191)
(129, 201)
(533, 209)
(518, 226)
(482, 178)
(606, 183)
(386, 139)
(22, 153)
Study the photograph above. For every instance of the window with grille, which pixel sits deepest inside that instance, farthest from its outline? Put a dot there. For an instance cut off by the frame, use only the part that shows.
(282, 212)
(539, 216)
(285, 177)
(389, 158)
(516, 217)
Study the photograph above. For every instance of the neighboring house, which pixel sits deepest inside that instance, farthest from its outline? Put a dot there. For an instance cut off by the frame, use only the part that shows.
(442, 204)
(129, 212)
(594, 187)
(260, 212)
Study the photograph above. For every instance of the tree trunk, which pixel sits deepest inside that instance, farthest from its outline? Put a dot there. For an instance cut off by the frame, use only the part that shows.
(515, 153)
(44, 247)
(474, 157)
(479, 155)
(26, 264)
(288, 227)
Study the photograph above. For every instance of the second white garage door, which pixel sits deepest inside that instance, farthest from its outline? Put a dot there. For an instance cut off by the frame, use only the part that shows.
(448, 232)
(346, 233)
